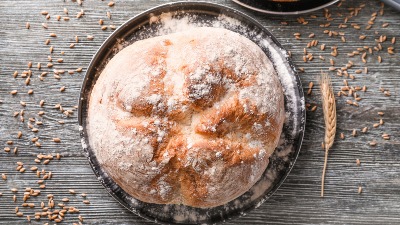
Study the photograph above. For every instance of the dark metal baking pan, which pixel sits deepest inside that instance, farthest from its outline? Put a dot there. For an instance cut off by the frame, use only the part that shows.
(285, 7)
(281, 162)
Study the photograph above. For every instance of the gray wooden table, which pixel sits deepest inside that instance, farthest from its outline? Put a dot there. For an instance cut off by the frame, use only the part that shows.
(298, 201)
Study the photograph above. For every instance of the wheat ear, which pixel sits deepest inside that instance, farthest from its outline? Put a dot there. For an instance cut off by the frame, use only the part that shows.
(329, 109)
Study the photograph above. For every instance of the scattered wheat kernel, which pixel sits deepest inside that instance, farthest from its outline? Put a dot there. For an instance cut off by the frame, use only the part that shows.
(358, 162)
(381, 113)
(90, 37)
(359, 190)
(364, 88)
(364, 130)
(53, 35)
(65, 10)
(65, 200)
(71, 191)
(4, 176)
(313, 108)
(372, 143)
(80, 14)
(86, 201)
(76, 39)
(375, 125)
(354, 133)
(28, 25)
(385, 136)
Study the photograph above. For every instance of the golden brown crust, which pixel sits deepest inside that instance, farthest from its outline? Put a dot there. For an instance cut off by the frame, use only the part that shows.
(187, 119)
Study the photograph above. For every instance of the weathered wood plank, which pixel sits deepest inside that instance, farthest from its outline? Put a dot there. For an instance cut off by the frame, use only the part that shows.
(296, 202)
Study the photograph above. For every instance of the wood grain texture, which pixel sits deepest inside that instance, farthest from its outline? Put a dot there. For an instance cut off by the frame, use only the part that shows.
(296, 202)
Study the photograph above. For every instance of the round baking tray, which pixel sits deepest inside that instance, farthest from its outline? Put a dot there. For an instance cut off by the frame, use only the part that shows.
(285, 7)
(281, 162)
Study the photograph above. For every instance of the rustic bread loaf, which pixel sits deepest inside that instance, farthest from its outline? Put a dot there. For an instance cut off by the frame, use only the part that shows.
(187, 118)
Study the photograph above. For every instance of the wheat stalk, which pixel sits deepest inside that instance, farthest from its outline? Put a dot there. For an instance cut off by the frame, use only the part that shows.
(329, 109)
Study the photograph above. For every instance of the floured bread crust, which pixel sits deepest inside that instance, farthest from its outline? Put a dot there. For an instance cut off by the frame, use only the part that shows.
(187, 118)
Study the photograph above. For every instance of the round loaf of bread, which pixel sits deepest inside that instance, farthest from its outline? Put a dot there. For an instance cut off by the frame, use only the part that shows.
(187, 118)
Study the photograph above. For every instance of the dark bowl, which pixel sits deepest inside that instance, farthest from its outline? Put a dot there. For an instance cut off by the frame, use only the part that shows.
(281, 162)
(285, 8)
(393, 3)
